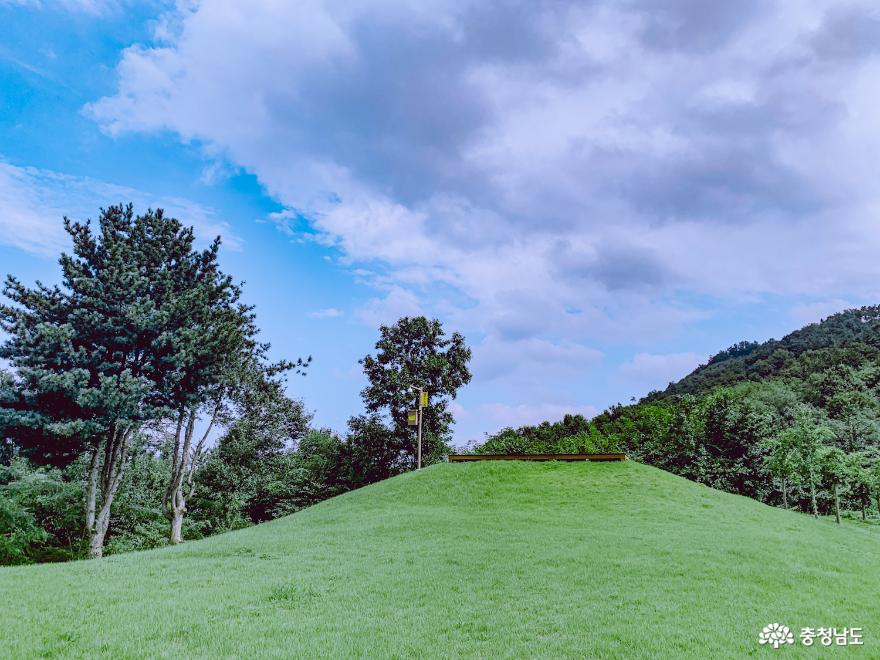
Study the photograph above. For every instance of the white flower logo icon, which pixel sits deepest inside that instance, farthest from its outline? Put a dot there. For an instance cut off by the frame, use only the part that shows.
(776, 635)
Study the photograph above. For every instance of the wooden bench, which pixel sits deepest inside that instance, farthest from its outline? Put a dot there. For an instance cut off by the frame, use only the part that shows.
(464, 458)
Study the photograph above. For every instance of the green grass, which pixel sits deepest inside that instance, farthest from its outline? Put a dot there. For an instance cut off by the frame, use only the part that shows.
(613, 560)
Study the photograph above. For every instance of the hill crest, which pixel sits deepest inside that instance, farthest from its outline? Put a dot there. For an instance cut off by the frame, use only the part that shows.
(611, 560)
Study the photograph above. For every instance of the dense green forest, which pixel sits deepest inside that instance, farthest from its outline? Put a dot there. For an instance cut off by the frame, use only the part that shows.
(794, 422)
(849, 338)
(141, 407)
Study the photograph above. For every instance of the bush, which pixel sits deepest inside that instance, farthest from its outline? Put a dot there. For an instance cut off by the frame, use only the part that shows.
(587, 442)
(40, 515)
(573, 435)
(19, 533)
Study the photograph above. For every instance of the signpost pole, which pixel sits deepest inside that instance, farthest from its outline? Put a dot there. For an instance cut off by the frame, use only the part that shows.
(419, 408)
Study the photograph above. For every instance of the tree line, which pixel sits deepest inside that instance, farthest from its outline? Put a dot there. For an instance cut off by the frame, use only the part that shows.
(798, 429)
(123, 375)
(142, 408)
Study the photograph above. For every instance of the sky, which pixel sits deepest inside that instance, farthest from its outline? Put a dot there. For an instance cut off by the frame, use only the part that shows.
(598, 195)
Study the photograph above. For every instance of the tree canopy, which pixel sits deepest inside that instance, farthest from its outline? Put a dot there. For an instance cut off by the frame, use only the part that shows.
(416, 353)
(141, 328)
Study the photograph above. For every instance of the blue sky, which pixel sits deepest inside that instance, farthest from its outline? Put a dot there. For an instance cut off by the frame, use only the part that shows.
(598, 195)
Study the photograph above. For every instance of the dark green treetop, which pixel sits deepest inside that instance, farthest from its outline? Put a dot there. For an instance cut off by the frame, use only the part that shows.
(141, 324)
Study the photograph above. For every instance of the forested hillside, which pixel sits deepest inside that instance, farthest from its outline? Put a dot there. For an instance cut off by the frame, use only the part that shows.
(851, 337)
(793, 422)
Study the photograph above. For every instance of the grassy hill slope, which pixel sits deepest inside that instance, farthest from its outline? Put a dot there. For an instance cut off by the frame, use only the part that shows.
(484, 559)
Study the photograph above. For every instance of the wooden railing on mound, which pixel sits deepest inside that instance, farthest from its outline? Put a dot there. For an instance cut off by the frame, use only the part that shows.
(462, 458)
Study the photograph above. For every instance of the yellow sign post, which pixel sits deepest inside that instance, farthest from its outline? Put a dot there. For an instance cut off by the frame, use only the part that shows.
(421, 402)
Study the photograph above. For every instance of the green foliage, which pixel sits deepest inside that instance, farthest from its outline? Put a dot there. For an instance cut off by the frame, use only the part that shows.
(252, 474)
(592, 442)
(573, 435)
(19, 533)
(850, 338)
(40, 515)
(414, 352)
(322, 467)
(372, 451)
(141, 327)
(105, 348)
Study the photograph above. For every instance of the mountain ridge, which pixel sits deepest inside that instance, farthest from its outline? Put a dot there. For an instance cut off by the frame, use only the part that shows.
(855, 328)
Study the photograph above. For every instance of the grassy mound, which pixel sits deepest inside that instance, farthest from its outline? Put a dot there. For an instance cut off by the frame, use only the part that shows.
(603, 560)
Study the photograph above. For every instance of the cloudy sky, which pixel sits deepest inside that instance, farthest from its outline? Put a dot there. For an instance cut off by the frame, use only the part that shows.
(598, 194)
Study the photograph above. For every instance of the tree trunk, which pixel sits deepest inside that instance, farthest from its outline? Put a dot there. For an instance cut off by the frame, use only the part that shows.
(837, 504)
(175, 516)
(92, 488)
(864, 509)
(182, 467)
(878, 504)
(177, 525)
(813, 497)
(103, 482)
(784, 493)
(96, 543)
(99, 531)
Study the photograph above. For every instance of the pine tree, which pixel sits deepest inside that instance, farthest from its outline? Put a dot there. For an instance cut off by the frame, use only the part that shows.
(141, 329)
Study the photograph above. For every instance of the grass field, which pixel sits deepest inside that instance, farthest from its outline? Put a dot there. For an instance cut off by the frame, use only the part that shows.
(604, 560)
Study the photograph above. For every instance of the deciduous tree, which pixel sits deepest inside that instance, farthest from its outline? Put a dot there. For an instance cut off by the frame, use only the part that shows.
(808, 437)
(415, 352)
(835, 470)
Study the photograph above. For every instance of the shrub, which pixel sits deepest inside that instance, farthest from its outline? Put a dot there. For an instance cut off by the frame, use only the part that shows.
(40, 515)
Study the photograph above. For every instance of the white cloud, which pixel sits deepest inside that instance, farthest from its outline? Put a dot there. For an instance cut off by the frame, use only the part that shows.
(553, 176)
(458, 410)
(594, 122)
(96, 7)
(34, 201)
(328, 313)
(814, 312)
(655, 372)
(522, 359)
(396, 303)
(31, 217)
(502, 414)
